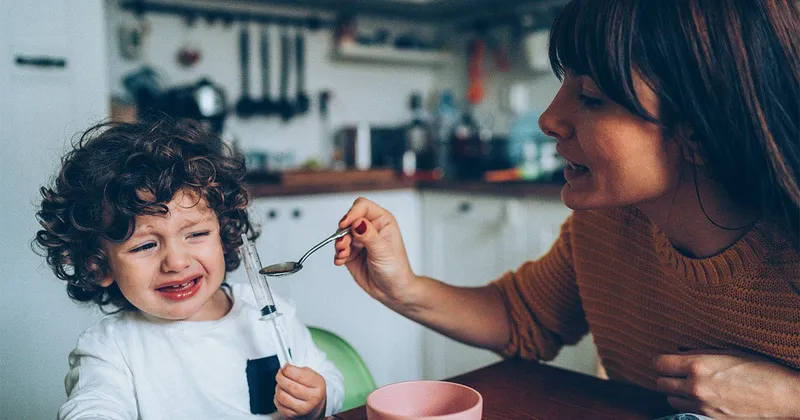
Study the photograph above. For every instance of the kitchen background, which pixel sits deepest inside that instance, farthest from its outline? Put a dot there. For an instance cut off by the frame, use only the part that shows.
(470, 178)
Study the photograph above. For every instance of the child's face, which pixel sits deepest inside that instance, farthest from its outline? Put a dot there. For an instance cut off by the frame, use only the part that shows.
(173, 264)
(622, 158)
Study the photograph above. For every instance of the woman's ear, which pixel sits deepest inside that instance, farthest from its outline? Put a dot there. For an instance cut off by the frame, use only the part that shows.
(107, 281)
(690, 148)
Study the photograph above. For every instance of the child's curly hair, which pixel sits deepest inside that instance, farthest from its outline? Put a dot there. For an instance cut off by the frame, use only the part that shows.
(117, 171)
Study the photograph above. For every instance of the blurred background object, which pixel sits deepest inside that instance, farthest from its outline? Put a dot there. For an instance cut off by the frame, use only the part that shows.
(444, 73)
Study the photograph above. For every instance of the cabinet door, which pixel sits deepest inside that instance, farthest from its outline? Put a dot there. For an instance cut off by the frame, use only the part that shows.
(53, 85)
(326, 296)
(544, 220)
(467, 241)
(544, 217)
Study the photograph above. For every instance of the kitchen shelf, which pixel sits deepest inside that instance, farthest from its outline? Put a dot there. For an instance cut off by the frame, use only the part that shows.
(390, 55)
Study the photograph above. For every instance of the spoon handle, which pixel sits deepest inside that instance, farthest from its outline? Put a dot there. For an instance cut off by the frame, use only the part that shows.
(337, 235)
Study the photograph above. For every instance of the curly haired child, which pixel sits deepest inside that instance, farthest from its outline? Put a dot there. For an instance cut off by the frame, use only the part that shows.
(145, 220)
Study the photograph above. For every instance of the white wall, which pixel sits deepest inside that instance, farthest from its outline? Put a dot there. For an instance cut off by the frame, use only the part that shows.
(375, 93)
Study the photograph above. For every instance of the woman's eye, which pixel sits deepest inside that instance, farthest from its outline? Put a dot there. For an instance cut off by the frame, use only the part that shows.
(143, 247)
(590, 102)
(199, 234)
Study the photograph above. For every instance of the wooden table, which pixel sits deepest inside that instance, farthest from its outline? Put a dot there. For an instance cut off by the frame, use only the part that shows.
(517, 389)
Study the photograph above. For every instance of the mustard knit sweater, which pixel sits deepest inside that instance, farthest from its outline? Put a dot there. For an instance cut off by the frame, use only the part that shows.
(614, 274)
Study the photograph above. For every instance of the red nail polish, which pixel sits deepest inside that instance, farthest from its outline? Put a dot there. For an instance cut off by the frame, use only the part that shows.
(360, 229)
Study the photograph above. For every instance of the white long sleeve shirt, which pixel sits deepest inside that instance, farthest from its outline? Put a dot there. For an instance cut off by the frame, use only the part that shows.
(133, 366)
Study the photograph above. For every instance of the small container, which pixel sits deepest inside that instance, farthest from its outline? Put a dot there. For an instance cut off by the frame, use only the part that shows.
(425, 400)
(363, 147)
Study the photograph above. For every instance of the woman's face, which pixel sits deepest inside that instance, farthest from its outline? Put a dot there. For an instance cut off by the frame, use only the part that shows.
(614, 157)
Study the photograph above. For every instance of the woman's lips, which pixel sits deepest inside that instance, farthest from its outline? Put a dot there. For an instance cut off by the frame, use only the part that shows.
(573, 172)
(181, 291)
(570, 163)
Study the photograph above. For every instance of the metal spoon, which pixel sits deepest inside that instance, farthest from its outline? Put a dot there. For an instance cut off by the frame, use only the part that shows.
(291, 267)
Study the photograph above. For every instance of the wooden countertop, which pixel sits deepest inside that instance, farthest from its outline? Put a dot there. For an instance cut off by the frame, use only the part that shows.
(279, 190)
(506, 189)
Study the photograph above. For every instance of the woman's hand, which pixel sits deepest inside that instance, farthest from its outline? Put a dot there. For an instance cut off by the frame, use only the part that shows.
(374, 253)
(300, 393)
(729, 385)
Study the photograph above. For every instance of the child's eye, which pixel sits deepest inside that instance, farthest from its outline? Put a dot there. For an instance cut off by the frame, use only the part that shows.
(143, 247)
(590, 102)
(199, 234)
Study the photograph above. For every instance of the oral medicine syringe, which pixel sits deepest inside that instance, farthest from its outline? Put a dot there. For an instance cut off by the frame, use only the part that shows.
(269, 313)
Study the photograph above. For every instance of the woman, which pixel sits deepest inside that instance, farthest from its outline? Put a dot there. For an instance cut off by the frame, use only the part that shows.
(679, 122)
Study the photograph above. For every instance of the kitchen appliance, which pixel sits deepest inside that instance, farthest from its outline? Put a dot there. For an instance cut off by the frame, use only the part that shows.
(203, 101)
(386, 146)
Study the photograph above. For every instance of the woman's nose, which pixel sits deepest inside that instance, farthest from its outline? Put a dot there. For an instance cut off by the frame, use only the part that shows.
(175, 259)
(552, 124)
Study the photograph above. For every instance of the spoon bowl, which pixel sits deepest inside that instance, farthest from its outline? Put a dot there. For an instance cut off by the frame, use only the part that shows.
(291, 267)
(281, 269)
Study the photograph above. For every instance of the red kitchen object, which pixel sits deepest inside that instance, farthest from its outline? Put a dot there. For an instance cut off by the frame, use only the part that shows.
(188, 56)
(476, 91)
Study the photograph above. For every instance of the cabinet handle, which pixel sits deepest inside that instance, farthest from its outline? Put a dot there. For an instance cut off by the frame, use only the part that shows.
(41, 61)
(465, 207)
(272, 214)
(296, 213)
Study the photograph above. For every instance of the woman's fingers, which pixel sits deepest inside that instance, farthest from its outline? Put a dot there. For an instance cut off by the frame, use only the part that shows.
(674, 386)
(346, 250)
(342, 250)
(363, 208)
(684, 404)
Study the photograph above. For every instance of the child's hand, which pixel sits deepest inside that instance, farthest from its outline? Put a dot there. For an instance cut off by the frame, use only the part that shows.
(300, 392)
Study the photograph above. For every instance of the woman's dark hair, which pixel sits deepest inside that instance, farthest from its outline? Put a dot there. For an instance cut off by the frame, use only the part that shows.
(117, 171)
(729, 70)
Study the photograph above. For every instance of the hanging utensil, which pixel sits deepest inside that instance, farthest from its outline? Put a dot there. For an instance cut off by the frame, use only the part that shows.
(245, 106)
(285, 106)
(266, 106)
(301, 101)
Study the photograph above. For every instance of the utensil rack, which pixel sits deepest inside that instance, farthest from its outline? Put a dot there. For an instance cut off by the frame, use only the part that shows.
(226, 14)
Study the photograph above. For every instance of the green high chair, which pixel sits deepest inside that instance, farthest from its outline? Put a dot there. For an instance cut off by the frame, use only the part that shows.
(358, 381)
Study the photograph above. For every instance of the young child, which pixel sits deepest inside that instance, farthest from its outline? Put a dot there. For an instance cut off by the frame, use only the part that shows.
(146, 219)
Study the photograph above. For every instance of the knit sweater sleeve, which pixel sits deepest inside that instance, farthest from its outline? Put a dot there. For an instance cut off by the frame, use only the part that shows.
(543, 302)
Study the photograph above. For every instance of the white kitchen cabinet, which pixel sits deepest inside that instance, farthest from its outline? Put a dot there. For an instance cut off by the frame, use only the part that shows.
(54, 84)
(544, 218)
(326, 295)
(470, 240)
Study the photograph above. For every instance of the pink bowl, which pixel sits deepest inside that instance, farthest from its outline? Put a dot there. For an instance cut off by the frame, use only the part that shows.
(426, 400)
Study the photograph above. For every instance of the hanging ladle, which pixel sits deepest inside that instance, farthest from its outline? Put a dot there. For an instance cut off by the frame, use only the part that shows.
(291, 267)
